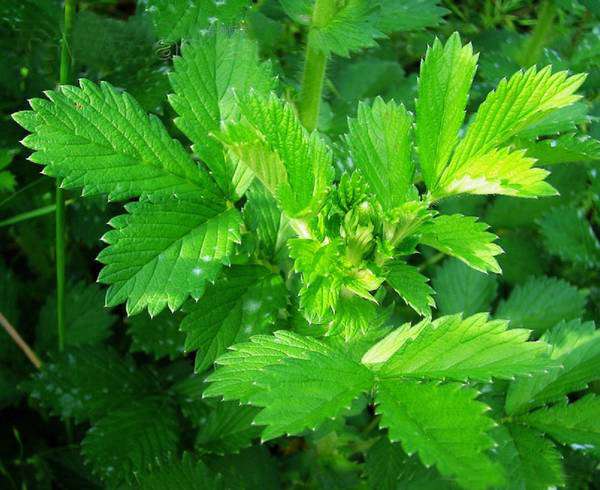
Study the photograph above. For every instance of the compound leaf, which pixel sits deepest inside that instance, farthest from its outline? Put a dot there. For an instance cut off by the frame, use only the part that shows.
(444, 424)
(471, 348)
(464, 238)
(162, 252)
(244, 302)
(299, 381)
(444, 82)
(269, 138)
(204, 78)
(100, 139)
(380, 143)
(412, 286)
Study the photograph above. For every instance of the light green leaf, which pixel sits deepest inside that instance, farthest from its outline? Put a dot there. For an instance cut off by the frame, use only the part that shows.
(576, 346)
(412, 286)
(497, 172)
(295, 166)
(131, 439)
(444, 82)
(471, 348)
(177, 19)
(444, 424)
(464, 238)
(531, 462)
(299, 381)
(160, 336)
(100, 139)
(263, 217)
(524, 99)
(460, 289)
(162, 252)
(244, 301)
(568, 234)
(541, 303)
(573, 423)
(209, 70)
(380, 143)
(227, 429)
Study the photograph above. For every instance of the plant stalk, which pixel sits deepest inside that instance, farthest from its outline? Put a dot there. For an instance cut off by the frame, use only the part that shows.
(66, 74)
(10, 330)
(534, 47)
(315, 65)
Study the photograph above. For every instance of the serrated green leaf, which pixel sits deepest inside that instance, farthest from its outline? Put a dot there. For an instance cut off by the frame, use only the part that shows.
(227, 429)
(412, 286)
(567, 148)
(516, 103)
(530, 460)
(184, 474)
(244, 302)
(204, 79)
(298, 381)
(576, 346)
(444, 424)
(177, 19)
(344, 27)
(294, 165)
(380, 144)
(263, 217)
(561, 120)
(444, 82)
(87, 383)
(498, 172)
(541, 303)
(130, 439)
(160, 336)
(409, 15)
(573, 423)
(568, 234)
(162, 252)
(99, 139)
(464, 238)
(460, 289)
(471, 348)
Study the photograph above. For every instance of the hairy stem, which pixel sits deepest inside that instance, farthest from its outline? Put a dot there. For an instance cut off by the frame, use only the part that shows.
(66, 68)
(10, 330)
(315, 64)
(535, 45)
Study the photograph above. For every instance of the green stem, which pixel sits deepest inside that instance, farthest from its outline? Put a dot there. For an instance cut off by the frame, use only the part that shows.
(315, 65)
(36, 213)
(539, 37)
(66, 69)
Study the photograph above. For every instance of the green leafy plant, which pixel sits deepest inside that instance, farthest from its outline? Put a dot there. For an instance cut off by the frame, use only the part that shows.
(269, 319)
